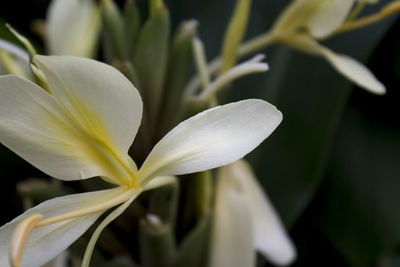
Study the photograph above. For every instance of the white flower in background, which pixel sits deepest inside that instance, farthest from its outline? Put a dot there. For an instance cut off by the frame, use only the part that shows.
(83, 127)
(73, 27)
(244, 221)
(303, 22)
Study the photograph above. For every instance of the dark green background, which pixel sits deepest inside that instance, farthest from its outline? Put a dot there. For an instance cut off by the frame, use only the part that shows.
(332, 168)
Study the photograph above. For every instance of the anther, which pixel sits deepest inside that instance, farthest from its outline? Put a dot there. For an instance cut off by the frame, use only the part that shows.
(20, 235)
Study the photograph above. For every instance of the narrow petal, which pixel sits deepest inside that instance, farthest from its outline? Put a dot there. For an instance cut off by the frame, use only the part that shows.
(270, 235)
(355, 71)
(73, 27)
(213, 138)
(35, 127)
(329, 15)
(232, 240)
(98, 97)
(348, 67)
(46, 242)
(111, 217)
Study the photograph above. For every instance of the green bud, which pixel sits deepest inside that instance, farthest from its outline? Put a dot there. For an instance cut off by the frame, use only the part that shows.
(114, 27)
(194, 248)
(150, 61)
(156, 242)
(204, 192)
(179, 63)
(164, 203)
(132, 26)
(198, 194)
(155, 5)
(128, 70)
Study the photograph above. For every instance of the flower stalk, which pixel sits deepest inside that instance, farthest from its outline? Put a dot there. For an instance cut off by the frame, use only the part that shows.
(234, 34)
(388, 10)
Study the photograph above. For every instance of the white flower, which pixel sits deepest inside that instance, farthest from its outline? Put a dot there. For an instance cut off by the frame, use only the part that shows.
(244, 221)
(303, 22)
(83, 127)
(73, 27)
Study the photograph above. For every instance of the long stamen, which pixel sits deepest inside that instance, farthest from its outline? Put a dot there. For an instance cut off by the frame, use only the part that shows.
(20, 236)
(96, 208)
(25, 227)
(388, 10)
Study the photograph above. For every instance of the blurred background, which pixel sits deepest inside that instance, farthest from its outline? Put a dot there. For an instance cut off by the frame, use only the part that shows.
(332, 168)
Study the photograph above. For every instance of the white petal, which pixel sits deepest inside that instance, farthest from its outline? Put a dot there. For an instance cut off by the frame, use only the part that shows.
(98, 96)
(356, 72)
(213, 138)
(73, 27)
(48, 241)
(270, 235)
(329, 15)
(345, 65)
(35, 127)
(232, 240)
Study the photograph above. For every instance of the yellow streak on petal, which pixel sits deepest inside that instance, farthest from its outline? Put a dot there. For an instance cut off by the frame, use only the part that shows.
(88, 133)
(20, 236)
